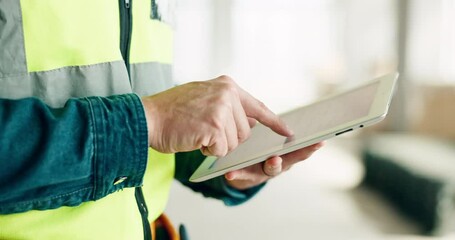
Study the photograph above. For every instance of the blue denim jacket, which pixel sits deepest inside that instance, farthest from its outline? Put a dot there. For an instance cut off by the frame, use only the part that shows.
(62, 157)
(55, 157)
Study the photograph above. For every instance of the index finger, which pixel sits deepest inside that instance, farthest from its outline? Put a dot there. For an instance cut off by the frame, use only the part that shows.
(257, 110)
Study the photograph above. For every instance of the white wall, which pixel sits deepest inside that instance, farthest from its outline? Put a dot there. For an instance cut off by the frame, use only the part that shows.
(272, 48)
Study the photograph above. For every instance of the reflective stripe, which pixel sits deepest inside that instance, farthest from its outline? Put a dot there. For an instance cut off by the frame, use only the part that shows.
(57, 86)
(12, 55)
(151, 39)
(150, 78)
(70, 33)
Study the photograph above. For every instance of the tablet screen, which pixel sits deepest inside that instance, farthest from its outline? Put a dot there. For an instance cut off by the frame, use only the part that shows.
(305, 122)
(330, 113)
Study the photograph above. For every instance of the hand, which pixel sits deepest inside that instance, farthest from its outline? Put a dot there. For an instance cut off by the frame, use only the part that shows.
(256, 174)
(214, 116)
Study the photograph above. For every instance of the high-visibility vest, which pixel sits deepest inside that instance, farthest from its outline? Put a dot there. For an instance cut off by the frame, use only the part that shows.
(77, 48)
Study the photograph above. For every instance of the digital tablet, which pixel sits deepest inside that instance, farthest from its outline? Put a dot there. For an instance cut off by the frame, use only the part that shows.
(326, 118)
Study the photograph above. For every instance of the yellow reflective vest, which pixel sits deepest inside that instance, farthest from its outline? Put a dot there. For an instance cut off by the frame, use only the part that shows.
(78, 48)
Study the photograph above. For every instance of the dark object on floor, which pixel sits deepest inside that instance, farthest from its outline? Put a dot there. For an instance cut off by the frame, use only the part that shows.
(417, 175)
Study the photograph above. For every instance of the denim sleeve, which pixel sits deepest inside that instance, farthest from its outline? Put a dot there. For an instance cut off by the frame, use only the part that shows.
(83, 151)
(188, 162)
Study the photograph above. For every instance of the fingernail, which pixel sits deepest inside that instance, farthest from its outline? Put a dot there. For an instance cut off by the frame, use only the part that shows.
(319, 145)
(274, 169)
(230, 176)
(291, 133)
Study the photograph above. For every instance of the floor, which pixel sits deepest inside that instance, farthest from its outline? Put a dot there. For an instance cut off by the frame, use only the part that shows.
(317, 199)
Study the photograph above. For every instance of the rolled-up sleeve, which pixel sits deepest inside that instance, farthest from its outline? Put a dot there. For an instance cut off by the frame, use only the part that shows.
(83, 151)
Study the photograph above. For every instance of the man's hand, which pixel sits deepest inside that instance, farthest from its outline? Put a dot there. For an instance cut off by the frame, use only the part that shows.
(256, 174)
(214, 116)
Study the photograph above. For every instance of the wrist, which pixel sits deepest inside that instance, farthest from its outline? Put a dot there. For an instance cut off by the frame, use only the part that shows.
(148, 111)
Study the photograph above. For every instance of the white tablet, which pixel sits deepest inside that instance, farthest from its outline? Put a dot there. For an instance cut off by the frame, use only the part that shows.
(321, 120)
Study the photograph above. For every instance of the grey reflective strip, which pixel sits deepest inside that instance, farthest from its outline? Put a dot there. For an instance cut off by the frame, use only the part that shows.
(12, 53)
(150, 78)
(55, 87)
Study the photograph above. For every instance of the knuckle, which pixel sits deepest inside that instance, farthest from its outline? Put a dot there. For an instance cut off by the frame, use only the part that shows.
(228, 86)
(261, 109)
(262, 106)
(202, 141)
(221, 152)
(205, 151)
(233, 145)
(225, 78)
(252, 122)
(229, 90)
(244, 135)
(216, 125)
(218, 145)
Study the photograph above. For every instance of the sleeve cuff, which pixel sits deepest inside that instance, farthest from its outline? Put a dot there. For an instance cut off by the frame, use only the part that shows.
(188, 162)
(232, 196)
(120, 143)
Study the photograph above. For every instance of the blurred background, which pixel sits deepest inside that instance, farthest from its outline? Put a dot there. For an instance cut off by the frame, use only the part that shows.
(391, 181)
